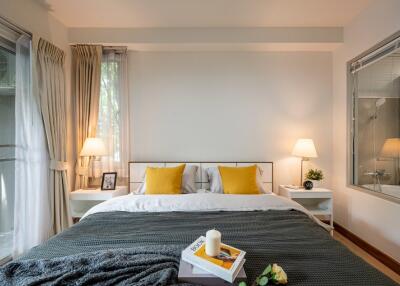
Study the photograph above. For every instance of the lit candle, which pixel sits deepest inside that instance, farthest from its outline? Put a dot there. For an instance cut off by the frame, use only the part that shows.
(213, 242)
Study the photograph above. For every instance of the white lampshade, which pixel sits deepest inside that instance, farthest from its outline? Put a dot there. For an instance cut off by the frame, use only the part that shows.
(93, 147)
(304, 148)
(391, 148)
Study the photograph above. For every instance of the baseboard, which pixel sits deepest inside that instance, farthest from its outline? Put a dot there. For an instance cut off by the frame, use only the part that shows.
(373, 251)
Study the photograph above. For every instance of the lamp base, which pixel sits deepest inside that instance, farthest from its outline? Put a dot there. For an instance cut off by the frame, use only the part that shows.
(301, 173)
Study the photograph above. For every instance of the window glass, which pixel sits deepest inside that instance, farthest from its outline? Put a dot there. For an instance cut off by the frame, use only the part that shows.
(376, 126)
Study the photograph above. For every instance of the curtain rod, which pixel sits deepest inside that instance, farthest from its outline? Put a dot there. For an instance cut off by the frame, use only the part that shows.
(114, 48)
(9, 24)
(122, 48)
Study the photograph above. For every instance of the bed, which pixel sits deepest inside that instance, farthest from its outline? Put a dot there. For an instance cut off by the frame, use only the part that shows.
(141, 238)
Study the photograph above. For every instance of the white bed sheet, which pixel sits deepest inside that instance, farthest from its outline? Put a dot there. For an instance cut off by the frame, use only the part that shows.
(200, 202)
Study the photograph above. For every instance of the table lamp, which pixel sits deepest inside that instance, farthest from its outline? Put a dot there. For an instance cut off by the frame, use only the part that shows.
(305, 149)
(92, 148)
(391, 149)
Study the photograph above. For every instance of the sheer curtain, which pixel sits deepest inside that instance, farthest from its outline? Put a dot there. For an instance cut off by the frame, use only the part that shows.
(113, 120)
(32, 216)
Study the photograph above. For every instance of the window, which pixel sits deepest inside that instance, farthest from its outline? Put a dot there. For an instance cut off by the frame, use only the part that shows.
(109, 108)
(15, 99)
(7, 148)
(113, 118)
(375, 128)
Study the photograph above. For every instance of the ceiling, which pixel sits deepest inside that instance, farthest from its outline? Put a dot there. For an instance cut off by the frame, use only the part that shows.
(205, 13)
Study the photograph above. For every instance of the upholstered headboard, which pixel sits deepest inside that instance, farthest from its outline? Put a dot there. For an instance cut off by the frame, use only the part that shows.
(137, 170)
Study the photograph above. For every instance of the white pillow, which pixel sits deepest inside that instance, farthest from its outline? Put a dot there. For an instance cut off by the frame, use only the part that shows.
(188, 181)
(214, 178)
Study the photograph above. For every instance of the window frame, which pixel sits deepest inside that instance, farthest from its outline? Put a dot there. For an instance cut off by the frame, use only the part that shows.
(350, 122)
(10, 33)
(117, 69)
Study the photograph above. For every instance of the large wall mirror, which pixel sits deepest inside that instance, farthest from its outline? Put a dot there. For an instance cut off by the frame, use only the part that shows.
(374, 81)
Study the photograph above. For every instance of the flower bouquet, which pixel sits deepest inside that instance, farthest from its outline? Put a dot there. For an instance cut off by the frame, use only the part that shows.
(272, 274)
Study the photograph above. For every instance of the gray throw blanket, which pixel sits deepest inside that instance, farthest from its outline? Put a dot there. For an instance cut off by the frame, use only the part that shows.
(309, 255)
(139, 266)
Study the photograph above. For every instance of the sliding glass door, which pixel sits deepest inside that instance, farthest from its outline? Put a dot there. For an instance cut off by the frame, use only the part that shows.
(24, 170)
(7, 145)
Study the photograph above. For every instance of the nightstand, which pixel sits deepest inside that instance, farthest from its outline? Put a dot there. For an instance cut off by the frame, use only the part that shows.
(82, 200)
(317, 201)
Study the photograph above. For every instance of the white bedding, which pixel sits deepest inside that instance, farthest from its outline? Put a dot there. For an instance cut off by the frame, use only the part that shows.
(199, 202)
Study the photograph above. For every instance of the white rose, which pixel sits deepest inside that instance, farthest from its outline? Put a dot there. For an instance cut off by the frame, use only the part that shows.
(280, 275)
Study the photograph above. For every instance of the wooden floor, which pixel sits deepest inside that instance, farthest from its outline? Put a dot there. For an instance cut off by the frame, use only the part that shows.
(368, 258)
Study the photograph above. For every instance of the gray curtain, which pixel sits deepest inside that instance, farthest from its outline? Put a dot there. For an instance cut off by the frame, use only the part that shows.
(86, 88)
(51, 83)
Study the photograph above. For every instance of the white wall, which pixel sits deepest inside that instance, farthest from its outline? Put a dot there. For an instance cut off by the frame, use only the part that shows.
(34, 18)
(374, 219)
(231, 106)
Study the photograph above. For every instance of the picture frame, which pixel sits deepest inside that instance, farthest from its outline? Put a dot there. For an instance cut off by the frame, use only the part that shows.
(109, 181)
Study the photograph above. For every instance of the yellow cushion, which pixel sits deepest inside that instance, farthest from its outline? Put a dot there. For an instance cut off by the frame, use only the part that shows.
(164, 181)
(239, 180)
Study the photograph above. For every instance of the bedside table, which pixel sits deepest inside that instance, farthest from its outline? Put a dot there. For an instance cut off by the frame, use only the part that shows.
(317, 201)
(82, 200)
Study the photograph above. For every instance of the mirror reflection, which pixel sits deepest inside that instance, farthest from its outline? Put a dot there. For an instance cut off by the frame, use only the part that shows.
(376, 125)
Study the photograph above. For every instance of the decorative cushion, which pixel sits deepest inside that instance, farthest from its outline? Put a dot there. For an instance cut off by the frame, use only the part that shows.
(163, 181)
(239, 180)
(214, 179)
(188, 181)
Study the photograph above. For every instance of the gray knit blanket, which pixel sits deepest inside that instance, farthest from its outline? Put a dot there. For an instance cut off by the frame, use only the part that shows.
(306, 251)
(139, 266)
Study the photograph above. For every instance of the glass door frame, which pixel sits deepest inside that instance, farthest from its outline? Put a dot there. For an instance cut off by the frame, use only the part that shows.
(9, 48)
(9, 34)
